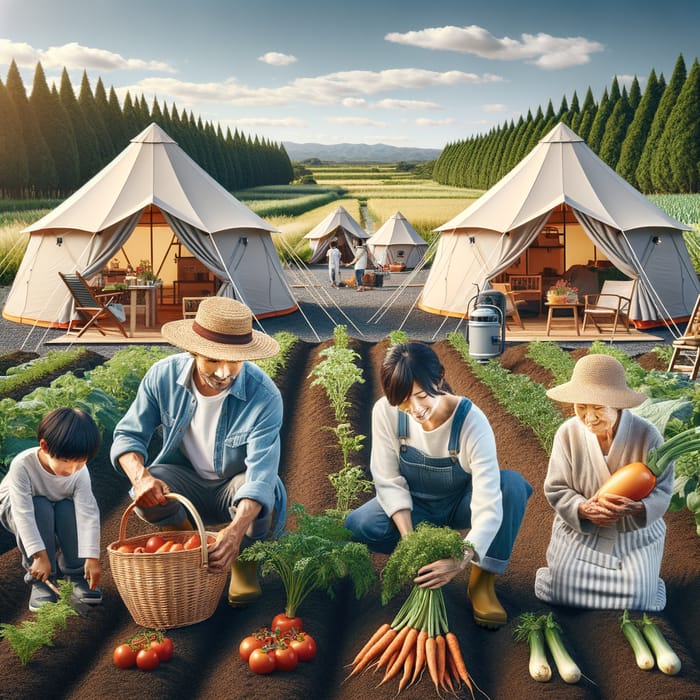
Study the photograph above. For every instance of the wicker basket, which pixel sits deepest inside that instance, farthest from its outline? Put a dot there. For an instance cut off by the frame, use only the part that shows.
(168, 589)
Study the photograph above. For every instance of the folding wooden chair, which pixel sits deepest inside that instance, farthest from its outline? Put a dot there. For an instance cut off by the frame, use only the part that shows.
(686, 349)
(93, 308)
(611, 306)
(512, 301)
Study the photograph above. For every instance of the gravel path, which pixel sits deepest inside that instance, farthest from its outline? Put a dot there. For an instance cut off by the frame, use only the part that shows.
(370, 315)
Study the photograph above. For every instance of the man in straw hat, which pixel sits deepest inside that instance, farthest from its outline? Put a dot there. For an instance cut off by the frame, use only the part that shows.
(604, 552)
(220, 417)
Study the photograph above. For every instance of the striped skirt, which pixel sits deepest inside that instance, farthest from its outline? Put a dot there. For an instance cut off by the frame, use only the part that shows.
(604, 570)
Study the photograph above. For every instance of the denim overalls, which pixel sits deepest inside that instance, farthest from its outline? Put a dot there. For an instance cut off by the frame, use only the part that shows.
(441, 492)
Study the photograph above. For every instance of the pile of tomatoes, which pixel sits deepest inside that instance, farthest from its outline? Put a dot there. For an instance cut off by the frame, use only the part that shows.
(157, 543)
(279, 648)
(145, 650)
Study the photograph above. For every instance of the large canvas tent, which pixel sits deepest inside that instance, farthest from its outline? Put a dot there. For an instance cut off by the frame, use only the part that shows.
(397, 242)
(563, 180)
(150, 197)
(339, 226)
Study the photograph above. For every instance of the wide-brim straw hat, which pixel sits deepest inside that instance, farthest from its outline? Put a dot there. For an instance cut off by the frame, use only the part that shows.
(598, 380)
(221, 330)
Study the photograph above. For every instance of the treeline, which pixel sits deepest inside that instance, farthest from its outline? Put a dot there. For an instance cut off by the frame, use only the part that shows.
(53, 141)
(651, 139)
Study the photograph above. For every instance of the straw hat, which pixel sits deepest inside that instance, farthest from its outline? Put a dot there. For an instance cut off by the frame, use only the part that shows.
(598, 380)
(221, 330)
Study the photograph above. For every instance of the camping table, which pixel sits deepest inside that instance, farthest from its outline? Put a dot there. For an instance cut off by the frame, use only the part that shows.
(151, 305)
(574, 312)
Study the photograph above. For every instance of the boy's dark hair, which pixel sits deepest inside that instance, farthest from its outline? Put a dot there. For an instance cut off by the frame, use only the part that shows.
(70, 433)
(405, 363)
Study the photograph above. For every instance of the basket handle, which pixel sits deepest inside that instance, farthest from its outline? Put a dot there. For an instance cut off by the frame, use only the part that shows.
(192, 510)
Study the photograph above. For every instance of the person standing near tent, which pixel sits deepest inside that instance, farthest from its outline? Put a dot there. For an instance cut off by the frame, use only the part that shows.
(333, 255)
(605, 552)
(434, 459)
(220, 417)
(360, 263)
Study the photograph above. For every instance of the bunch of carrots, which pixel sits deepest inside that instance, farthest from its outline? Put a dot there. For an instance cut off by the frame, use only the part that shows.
(418, 638)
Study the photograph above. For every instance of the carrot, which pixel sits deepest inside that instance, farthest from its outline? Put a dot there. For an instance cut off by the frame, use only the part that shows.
(393, 648)
(451, 664)
(408, 665)
(382, 630)
(420, 655)
(456, 652)
(377, 648)
(441, 658)
(431, 661)
(409, 644)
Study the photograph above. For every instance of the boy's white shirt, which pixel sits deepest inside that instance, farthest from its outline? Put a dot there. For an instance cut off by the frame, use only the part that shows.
(26, 478)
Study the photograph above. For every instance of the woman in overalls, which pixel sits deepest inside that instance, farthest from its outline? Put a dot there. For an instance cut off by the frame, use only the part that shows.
(434, 459)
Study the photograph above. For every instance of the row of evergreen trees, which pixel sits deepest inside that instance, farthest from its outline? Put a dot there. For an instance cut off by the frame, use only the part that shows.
(52, 141)
(650, 139)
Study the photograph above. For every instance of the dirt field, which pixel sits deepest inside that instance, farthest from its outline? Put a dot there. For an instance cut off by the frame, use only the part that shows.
(206, 663)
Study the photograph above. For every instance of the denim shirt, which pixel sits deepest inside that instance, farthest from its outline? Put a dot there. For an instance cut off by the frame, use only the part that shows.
(247, 435)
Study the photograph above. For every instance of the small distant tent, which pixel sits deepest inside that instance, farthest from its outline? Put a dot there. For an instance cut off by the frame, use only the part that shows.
(563, 177)
(397, 242)
(151, 196)
(338, 225)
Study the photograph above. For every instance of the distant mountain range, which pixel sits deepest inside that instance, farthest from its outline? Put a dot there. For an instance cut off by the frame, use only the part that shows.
(358, 152)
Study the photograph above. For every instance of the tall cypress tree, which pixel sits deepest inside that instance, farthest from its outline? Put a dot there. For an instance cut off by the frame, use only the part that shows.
(615, 131)
(88, 157)
(42, 170)
(648, 162)
(54, 125)
(86, 100)
(605, 108)
(14, 171)
(681, 137)
(103, 128)
(633, 145)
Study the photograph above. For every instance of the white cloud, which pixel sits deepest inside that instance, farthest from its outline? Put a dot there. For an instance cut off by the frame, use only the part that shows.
(357, 121)
(325, 89)
(406, 104)
(627, 80)
(449, 121)
(495, 107)
(268, 122)
(275, 58)
(74, 56)
(541, 49)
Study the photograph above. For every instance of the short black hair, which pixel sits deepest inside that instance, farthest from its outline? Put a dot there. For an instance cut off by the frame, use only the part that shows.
(70, 433)
(405, 363)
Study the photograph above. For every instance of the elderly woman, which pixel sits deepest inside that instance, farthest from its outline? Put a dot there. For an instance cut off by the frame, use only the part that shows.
(603, 552)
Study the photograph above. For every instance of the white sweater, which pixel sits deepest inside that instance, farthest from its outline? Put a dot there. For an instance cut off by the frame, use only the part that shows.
(477, 456)
(25, 479)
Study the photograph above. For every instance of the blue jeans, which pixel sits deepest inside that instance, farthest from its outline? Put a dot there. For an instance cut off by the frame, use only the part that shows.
(58, 529)
(369, 523)
(358, 277)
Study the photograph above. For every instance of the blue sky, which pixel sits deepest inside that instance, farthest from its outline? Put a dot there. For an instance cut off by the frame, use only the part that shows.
(383, 71)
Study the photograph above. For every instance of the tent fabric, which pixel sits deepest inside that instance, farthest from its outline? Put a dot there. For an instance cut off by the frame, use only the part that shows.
(85, 231)
(338, 225)
(397, 242)
(640, 239)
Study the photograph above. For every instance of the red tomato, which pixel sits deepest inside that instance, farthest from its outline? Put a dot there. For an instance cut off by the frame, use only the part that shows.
(281, 624)
(164, 648)
(147, 659)
(286, 658)
(261, 661)
(304, 645)
(248, 644)
(154, 542)
(193, 542)
(124, 656)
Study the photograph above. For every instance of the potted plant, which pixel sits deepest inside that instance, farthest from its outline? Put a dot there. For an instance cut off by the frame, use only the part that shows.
(144, 272)
(562, 293)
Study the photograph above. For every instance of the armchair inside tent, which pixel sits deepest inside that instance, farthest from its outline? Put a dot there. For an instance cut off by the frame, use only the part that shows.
(93, 309)
(686, 349)
(611, 306)
(512, 301)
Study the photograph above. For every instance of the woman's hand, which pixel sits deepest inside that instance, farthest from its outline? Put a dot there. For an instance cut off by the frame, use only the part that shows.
(605, 512)
(442, 571)
(40, 568)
